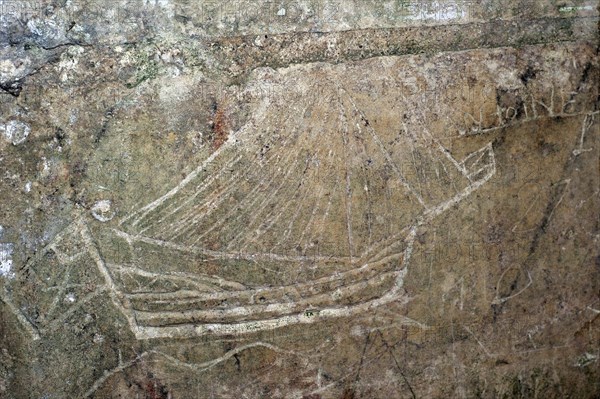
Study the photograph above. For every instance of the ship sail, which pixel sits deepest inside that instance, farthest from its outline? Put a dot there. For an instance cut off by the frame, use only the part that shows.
(324, 185)
(309, 211)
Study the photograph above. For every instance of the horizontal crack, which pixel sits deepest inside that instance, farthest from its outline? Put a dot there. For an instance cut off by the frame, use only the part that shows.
(286, 49)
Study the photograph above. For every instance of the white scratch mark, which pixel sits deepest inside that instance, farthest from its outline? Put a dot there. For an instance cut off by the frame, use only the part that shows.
(588, 121)
(499, 301)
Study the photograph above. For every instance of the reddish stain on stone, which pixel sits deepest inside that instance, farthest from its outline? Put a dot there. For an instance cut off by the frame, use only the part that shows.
(153, 389)
(220, 127)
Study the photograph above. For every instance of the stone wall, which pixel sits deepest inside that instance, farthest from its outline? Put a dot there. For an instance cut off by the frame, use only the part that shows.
(299, 199)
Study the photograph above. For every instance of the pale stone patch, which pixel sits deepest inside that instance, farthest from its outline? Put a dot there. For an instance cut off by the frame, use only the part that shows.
(6, 262)
(15, 131)
(102, 211)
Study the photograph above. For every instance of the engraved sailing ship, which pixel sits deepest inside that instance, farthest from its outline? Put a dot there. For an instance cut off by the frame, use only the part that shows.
(308, 212)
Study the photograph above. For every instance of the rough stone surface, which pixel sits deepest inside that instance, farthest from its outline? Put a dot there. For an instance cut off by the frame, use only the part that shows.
(299, 199)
